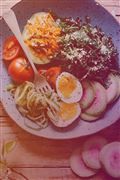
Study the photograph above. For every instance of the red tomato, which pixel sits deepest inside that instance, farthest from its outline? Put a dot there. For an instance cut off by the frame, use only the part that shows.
(11, 48)
(52, 74)
(20, 70)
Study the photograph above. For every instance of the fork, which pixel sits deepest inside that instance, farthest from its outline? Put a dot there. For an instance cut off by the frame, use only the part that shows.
(40, 81)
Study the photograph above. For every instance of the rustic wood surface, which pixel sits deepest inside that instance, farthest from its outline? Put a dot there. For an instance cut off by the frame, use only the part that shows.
(43, 159)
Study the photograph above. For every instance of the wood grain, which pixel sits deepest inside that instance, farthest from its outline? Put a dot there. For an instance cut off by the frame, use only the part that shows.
(55, 174)
(41, 152)
(44, 159)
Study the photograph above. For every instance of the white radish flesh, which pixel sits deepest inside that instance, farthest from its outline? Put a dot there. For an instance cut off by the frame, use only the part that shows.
(88, 95)
(119, 84)
(118, 90)
(88, 117)
(78, 166)
(91, 151)
(99, 104)
(112, 90)
(110, 158)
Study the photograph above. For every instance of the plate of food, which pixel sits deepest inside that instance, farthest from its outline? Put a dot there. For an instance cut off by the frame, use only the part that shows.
(75, 46)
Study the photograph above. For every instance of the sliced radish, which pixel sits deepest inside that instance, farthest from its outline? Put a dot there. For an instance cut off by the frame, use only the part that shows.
(88, 117)
(112, 90)
(118, 90)
(99, 104)
(91, 151)
(79, 167)
(88, 95)
(99, 176)
(119, 84)
(110, 158)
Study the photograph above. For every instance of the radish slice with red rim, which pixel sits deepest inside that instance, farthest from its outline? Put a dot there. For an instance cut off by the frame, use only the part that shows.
(79, 167)
(110, 158)
(91, 151)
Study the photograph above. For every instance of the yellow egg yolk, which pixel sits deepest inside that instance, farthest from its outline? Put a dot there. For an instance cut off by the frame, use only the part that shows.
(67, 111)
(66, 86)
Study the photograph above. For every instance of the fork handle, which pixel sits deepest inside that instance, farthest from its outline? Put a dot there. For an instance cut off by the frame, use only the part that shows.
(11, 20)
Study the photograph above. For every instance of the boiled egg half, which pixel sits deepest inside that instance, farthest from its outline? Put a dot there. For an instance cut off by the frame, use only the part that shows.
(68, 87)
(66, 115)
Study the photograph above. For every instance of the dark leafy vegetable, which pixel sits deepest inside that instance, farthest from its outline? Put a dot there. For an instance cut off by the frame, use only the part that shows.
(85, 51)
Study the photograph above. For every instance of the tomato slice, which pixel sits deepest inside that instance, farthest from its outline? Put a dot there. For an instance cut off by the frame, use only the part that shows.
(52, 74)
(11, 48)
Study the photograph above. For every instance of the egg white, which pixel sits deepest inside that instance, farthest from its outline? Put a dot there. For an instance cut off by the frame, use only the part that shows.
(59, 122)
(77, 92)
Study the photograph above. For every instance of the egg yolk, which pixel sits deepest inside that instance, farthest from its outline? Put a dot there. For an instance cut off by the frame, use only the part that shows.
(67, 111)
(66, 86)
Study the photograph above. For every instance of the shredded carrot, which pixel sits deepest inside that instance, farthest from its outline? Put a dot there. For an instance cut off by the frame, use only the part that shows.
(44, 34)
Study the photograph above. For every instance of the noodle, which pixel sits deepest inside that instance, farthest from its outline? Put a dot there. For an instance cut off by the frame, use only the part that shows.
(34, 105)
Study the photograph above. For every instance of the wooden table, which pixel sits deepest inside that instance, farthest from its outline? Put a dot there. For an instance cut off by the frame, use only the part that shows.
(43, 159)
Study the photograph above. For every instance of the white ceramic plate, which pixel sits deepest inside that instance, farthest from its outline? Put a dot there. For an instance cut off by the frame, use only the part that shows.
(72, 8)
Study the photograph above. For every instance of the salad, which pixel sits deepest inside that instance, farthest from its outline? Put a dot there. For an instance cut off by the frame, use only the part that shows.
(78, 60)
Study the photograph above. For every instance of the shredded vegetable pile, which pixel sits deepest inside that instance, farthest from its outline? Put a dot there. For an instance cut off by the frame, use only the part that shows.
(86, 51)
(43, 35)
(32, 104)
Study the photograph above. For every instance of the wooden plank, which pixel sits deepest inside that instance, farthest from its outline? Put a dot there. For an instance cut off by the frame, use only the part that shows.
(45, 174)
(10, 127)
(54, 174)
(113, 10)
(2, 111)
(118, 19)
(9, 3)
(40, 152)
(109, 2)
(105, 2)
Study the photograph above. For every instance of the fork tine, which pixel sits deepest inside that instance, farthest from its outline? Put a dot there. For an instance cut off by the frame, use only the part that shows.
(51, 115)
(41, 90)
(53, 111)
(45, 89)
(48, 87)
